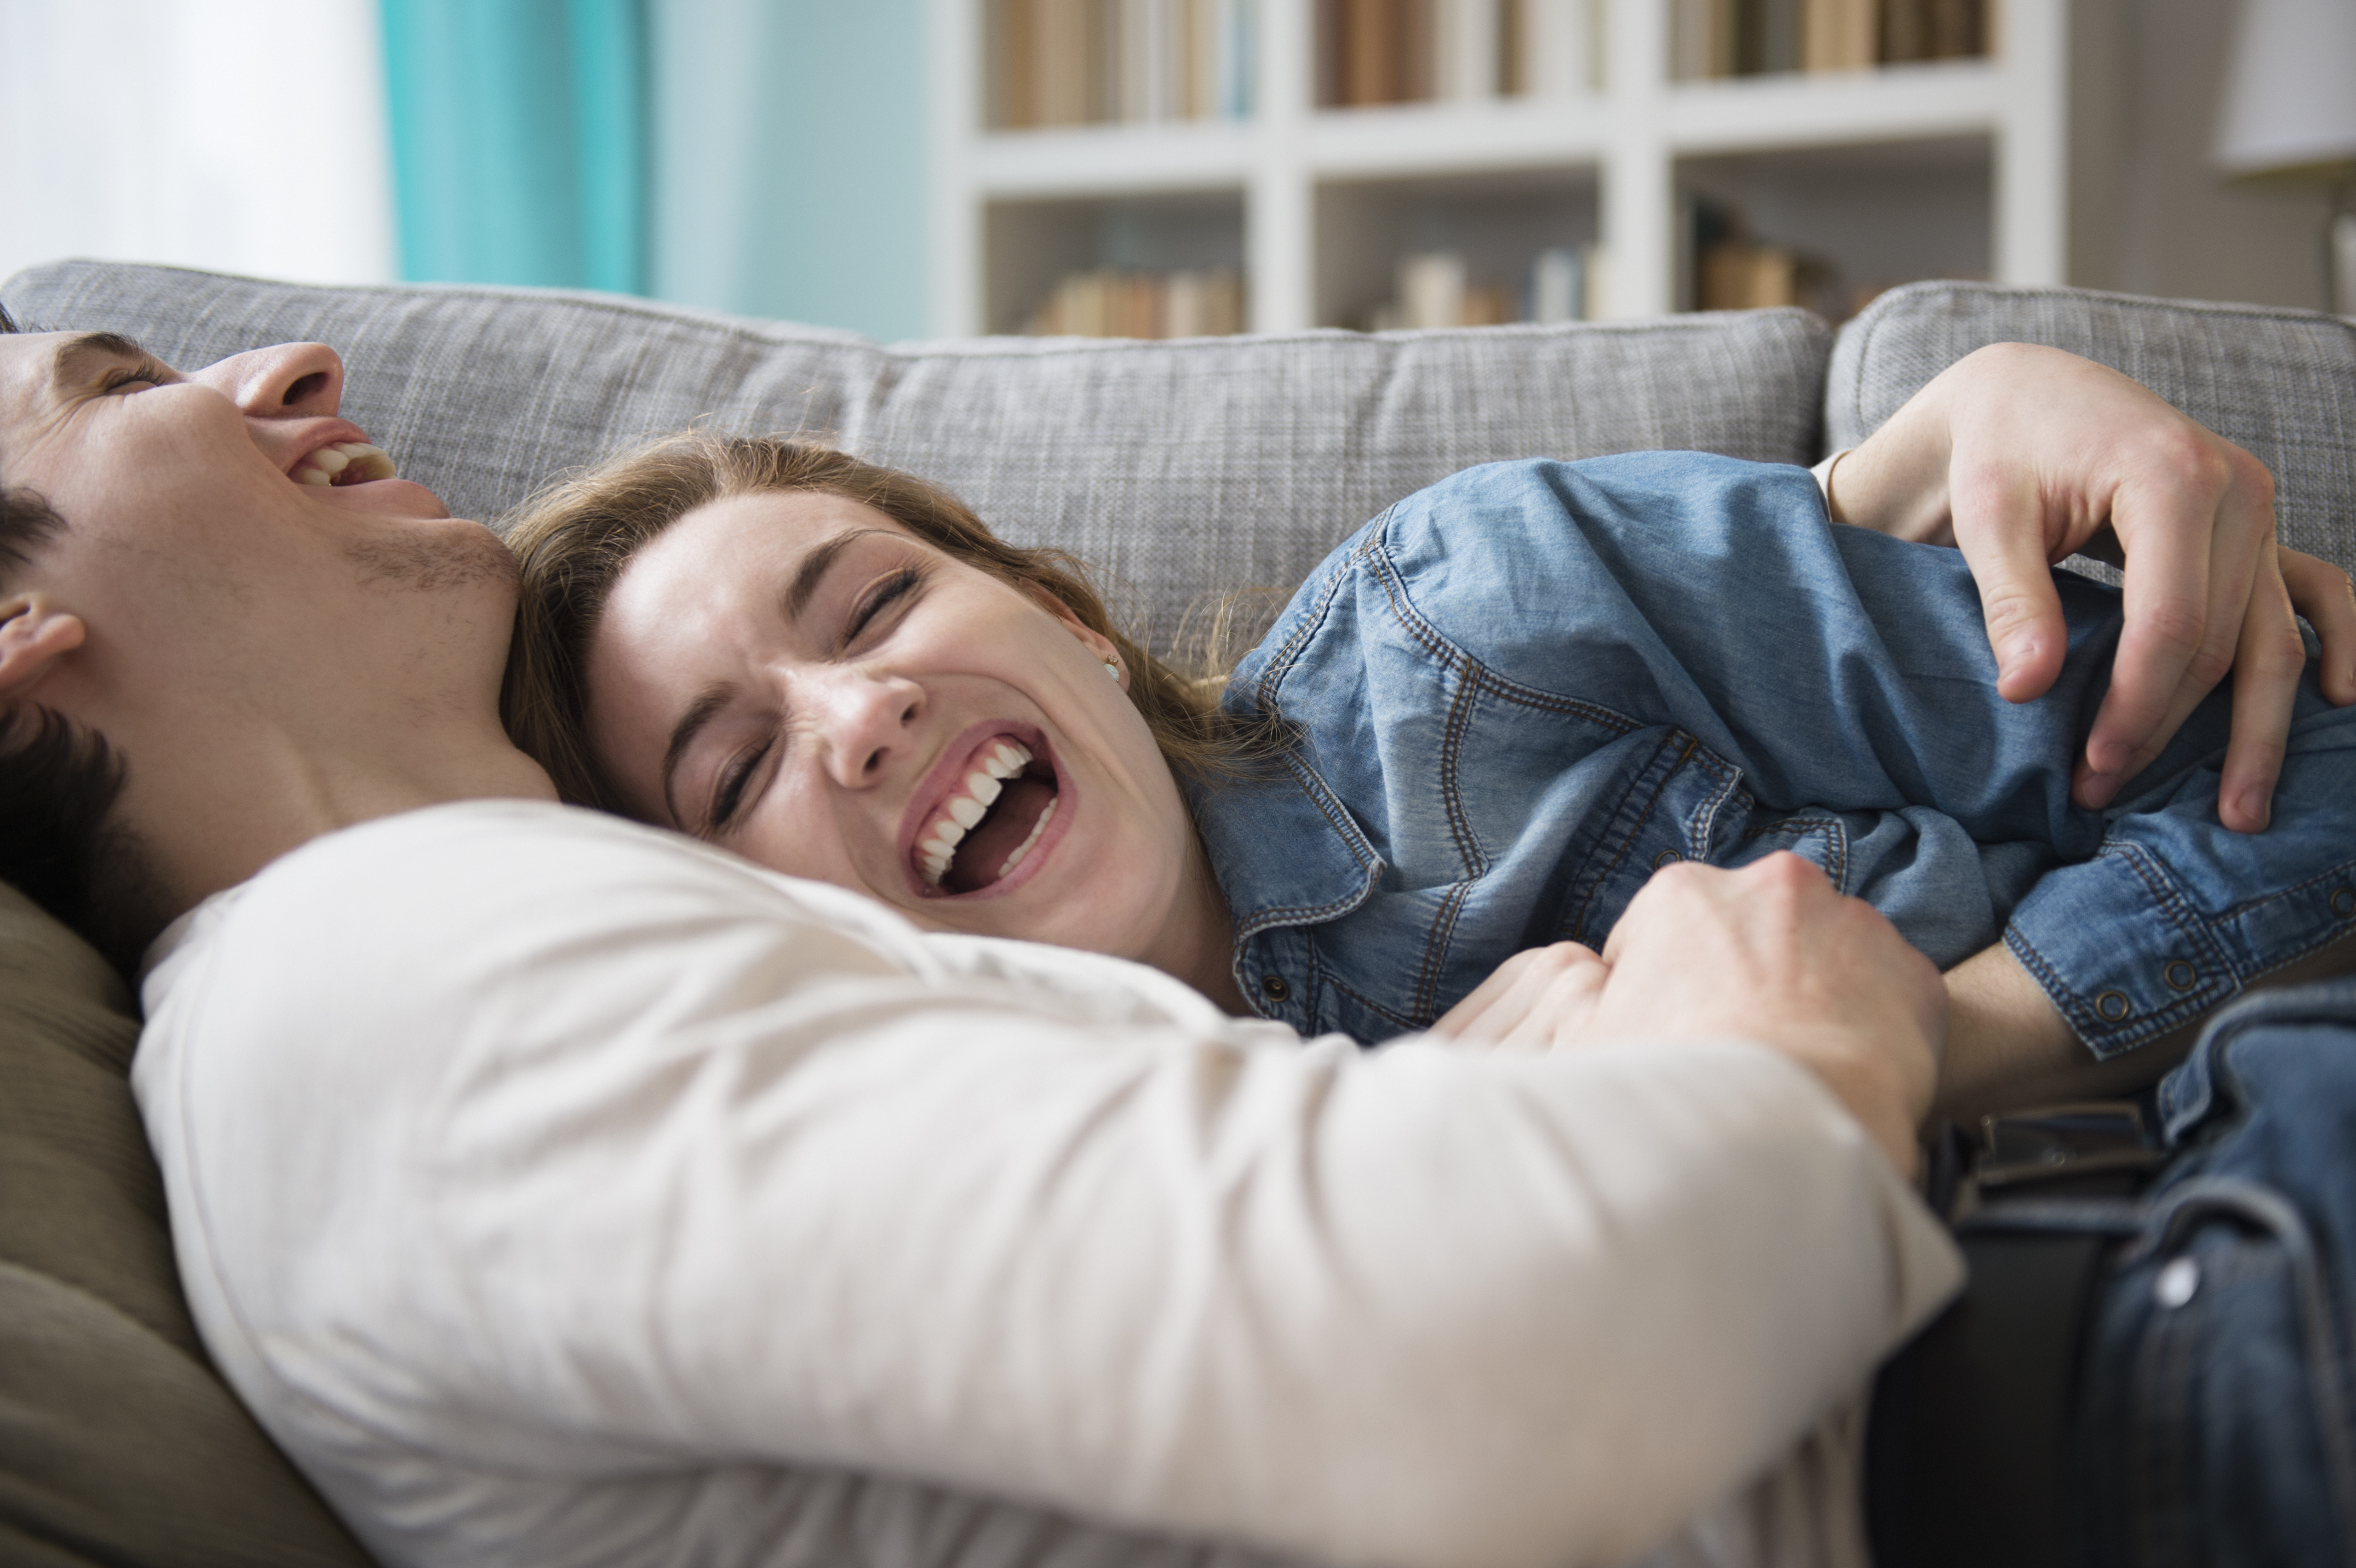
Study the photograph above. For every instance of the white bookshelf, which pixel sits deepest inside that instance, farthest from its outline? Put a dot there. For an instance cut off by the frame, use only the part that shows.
(1924, 169)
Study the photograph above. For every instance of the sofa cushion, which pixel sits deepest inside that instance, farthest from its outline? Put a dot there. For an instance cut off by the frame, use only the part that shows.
(118, 1442)
(2281, 383)
(1180, 468)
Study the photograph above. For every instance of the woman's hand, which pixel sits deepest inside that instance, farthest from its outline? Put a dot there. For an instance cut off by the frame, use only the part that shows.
(2021, 455)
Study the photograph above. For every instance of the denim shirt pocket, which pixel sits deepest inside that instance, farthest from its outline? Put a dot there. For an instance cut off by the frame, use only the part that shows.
(1683, 802)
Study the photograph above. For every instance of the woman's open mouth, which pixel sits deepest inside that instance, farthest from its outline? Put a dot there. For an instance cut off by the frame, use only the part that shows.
(991, 819)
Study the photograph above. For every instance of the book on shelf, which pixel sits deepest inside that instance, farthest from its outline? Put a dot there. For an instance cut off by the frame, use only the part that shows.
(1757, 37)
(1107, 302)
(1436, 288)
(1413, 51)
(1082, 62)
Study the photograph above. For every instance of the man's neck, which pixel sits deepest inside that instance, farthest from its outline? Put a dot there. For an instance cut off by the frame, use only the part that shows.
(208, 831)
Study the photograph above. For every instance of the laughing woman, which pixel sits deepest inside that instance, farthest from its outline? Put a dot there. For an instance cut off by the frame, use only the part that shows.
(1484, 720)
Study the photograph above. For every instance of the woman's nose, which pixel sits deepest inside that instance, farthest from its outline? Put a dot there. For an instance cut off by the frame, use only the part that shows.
(290, 380)
(866, 717)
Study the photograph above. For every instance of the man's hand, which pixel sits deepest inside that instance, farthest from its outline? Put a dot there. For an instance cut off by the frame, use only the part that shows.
(1771, 952)
(1537, 1000)
(2022, 456)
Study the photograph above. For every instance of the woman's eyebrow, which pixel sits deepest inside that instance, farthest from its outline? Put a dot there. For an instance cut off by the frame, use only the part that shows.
(816, 565)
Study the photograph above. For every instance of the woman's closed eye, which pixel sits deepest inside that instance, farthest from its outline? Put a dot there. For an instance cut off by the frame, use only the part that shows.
(893, 588)
(735, 780)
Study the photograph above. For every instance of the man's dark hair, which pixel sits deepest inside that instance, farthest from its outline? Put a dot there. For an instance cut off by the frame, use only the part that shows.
(58, 786)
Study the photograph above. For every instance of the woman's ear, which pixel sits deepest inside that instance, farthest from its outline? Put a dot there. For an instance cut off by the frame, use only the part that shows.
(33, 637)
(1095, 642)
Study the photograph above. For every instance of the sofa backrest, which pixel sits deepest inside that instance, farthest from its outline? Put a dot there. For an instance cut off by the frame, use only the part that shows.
(2281, 383)
(1179, 469)
(1184, 468)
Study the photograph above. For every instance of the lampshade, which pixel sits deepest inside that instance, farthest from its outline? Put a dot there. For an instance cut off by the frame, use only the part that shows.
(2290, 94)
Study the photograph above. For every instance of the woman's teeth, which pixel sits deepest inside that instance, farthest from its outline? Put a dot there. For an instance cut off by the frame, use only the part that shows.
(345, 463)
(964, 810)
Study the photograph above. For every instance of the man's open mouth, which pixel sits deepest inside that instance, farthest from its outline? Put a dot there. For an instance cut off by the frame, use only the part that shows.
(344, 463)
(989, 821)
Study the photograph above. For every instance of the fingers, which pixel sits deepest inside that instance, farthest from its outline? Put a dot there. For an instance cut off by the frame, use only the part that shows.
(1772, 954)
(1539, 999)
(2197, 526)
(2176, 634)
(2266, 667)
(2323, 594)
(2009, 563)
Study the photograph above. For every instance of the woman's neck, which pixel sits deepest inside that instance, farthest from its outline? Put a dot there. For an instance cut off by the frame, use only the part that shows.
(1200, 946)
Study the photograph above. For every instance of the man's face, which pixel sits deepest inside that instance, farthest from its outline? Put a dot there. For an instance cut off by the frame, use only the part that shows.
(107, 433)
(228, 531)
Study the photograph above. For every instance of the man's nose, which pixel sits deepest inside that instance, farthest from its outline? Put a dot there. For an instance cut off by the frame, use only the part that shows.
(290, 380)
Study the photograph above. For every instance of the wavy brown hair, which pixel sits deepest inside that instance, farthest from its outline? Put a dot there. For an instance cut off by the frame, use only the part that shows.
(575, 539)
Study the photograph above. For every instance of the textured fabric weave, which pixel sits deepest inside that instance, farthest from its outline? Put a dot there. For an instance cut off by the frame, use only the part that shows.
(1180, 469)
(2281, 383)
(118, 1443)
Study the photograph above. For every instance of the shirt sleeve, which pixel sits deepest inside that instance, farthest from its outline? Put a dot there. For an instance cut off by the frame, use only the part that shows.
(659, 1160)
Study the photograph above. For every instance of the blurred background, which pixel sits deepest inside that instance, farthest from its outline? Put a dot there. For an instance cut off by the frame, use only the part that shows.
(1172, 167)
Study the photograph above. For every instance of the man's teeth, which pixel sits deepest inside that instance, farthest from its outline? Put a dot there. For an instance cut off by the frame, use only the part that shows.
(348, 462)
(964, 810)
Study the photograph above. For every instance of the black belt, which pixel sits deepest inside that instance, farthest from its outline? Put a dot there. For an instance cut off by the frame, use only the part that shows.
(1968, 1446)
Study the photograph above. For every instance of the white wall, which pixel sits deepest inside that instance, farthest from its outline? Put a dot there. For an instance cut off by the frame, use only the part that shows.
(240, 135)
(2153, 216)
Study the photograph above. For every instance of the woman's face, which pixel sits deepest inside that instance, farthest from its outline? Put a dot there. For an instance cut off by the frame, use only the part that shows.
(797, 678)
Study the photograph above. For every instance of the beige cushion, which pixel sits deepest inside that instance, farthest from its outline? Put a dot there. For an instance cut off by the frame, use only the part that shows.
(118, 1442)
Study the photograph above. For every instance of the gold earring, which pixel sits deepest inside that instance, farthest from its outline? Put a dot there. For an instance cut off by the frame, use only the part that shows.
(1112, 668)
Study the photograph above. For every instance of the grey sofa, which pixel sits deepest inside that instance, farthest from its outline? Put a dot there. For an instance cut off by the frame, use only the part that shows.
(1179, 469)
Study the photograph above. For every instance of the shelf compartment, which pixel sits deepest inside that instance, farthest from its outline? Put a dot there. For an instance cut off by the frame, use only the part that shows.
(1497, 222)
(1103, 160)
(1869, 216)
(1898, 101)
(1424, 138)
(1032, 246)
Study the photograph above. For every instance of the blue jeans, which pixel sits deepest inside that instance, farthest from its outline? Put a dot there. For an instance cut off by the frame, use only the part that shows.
(2215, 1420)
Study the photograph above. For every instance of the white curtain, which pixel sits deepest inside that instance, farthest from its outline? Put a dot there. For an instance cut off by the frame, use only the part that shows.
(239, 136)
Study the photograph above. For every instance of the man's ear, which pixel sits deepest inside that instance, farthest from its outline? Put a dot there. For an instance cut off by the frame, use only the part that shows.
(33, 636)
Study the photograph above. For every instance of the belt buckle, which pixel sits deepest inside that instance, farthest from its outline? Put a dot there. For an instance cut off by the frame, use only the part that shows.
(2018, 1151)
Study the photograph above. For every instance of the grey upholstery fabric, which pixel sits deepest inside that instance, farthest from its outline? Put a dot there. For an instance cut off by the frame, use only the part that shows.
(2281, 383)
(1180, 468)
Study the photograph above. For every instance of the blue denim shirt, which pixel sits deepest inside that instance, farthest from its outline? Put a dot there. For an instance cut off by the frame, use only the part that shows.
(1521, 692)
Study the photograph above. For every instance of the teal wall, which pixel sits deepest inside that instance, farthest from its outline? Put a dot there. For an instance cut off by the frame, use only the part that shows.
(788, 174)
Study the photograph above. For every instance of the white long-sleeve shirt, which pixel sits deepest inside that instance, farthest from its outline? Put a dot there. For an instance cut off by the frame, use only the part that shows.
(560, 1191)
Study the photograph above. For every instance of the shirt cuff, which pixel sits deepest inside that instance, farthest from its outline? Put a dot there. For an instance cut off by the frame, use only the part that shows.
(1823, 475)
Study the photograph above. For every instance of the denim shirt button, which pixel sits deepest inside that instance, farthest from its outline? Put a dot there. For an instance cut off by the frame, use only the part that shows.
(2113, 1005)
(2175, 1284)
(1273, 988)
(2181, 975)
(2343, 902)
(1665, 858)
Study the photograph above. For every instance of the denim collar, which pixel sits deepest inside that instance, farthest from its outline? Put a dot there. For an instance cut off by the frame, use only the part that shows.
(1283, 849)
